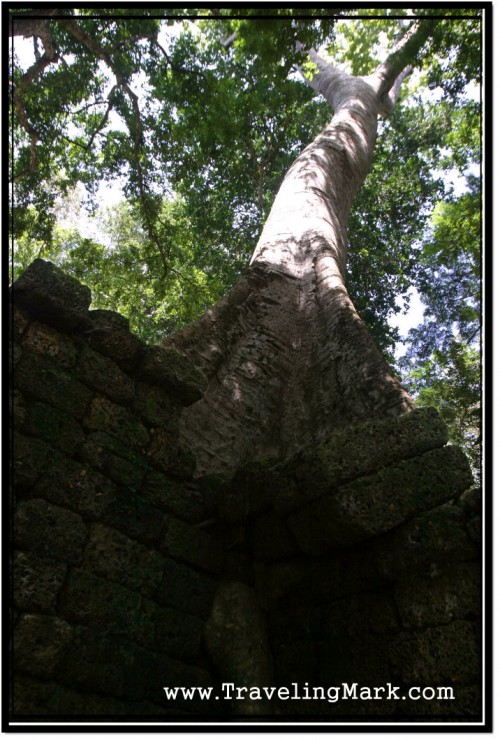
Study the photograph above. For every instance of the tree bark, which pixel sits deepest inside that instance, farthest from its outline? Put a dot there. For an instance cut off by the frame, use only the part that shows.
(286, 358)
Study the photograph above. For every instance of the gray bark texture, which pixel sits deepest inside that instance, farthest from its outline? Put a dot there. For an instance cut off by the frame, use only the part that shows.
(286, 358)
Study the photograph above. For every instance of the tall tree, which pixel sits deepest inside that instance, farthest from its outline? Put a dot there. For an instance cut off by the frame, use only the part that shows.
(285, 355)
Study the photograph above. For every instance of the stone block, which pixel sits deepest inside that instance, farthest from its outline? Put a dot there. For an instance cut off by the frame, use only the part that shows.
(172, 371)
(366, 447)
(112, 555)
(192, 546)
(52, 296)
(444, 656)
(50, 531)
(165, 453)
(186, 589)
(45, 340)
(131, 514)
(376, 504)
(117, 422)
(36, 582)
(107, 665)
(103, 375)
(114, 459)
(76, 486)
(40, 377)
(361, 614)
(17, 409)
(54, 426)
(156, 407)
(426, 544)
(34, 698)
(18, 321)
(425, 600)
(475, 531)
(40, 641)
(110, 335)
(15, 353)
(184, 500)
(236, 639)
(106, 607)
(29, 458)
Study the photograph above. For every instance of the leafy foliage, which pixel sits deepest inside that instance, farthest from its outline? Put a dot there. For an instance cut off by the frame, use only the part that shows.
(443, 363)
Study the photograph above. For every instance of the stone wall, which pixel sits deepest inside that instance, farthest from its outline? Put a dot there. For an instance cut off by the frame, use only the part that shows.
(355, 562)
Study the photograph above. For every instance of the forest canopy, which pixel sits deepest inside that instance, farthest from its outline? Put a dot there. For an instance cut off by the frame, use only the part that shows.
(196, 114)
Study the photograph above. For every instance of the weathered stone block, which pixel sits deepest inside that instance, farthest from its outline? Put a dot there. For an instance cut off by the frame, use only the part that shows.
(191, 545)
(33, 698)
(39, 644)
(114, 459)
(40, 377)
(173, 372)
(184, 500)
(432, 600)
(29, 457)
(100, 664)
(15, 353)
(361, 614)
(17, 409)
(111, 666)
(156, 407)
(111, 336)
(375, 504)
(131, 514)
(370, 663)
(36, 582)
(118, 422)
(18, 321)
(165, 453)
(52, 296)
(117, 558)
(475, 531)
(426, 544)
(367, 446)
(50, 531)
(236, 640)
(75, 486)
(445, 655)
(186, 589)
(55, 426)
(103, 375)
(107, 607)
(45, 340)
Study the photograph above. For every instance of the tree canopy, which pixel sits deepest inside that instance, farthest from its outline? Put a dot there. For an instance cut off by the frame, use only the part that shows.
(198, 113)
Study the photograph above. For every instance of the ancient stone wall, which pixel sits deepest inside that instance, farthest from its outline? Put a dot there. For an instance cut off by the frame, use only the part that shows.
(356, 562)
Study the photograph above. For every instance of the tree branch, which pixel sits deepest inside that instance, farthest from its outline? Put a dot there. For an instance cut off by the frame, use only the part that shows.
(27, 26)
(104, 119)
(33, 72)
(390, 99)
(135, 129)
(405, 52)
(325, 81)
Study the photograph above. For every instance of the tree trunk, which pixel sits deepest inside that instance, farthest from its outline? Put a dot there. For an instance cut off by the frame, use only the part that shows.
(286, 358)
